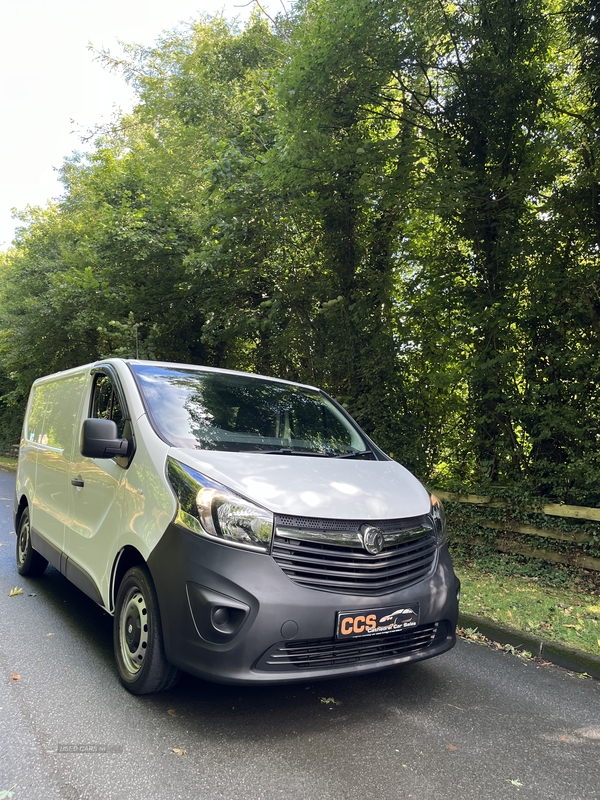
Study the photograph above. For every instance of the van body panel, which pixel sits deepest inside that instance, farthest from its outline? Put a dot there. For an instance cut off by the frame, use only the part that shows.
(150, 499)
(230, 614)
(118, 506)
(56, 414)
(315, 487)
(95, 522)
(28, 450)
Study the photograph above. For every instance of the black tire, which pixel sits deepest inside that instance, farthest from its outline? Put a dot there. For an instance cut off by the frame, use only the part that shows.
(137, 636)
(29, 561)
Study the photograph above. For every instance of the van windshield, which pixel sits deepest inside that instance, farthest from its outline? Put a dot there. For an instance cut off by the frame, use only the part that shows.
(203, 410)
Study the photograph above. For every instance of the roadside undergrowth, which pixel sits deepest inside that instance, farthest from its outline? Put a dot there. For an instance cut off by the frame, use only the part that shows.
(561, 604)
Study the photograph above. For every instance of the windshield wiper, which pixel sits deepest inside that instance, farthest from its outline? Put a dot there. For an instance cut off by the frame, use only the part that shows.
(284, 451)
(359, 454)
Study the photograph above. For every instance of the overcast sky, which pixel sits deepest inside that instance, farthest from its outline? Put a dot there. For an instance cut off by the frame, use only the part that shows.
(52, 90)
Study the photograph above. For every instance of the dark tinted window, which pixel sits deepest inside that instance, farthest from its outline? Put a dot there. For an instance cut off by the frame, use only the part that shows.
(224, 411)
(105, 402)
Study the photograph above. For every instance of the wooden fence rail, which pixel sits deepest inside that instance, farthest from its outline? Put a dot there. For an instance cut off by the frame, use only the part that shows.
(549, 509)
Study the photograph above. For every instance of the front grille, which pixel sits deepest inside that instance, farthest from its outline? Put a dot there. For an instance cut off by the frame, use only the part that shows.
(326, 653)
(315, 523)
(351, 570)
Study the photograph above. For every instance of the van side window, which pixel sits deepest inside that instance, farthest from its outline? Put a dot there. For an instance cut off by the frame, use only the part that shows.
(105, 403)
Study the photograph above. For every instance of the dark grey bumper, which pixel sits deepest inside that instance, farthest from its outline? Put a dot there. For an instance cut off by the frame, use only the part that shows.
(224, 609)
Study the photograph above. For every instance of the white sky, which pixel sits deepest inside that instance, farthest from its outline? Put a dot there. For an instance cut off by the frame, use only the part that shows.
(52, 90)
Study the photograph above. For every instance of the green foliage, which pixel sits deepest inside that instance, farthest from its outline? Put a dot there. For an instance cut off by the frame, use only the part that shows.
(564, 611)
(398, 202)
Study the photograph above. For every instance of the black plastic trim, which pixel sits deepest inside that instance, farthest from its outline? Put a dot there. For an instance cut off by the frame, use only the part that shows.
(313, 654)
(82, 579)
(204, 605)
(78, 576)
(230, 576)
(51, 553)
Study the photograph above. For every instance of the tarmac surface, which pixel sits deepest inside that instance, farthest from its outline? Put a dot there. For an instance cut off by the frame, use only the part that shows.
(472, 724)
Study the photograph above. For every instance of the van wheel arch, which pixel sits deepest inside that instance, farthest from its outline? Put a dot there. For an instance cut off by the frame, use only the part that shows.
(137, 636)
(127, 558)
(23, 504)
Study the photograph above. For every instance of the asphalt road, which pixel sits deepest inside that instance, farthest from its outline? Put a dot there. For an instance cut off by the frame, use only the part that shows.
(473, 723)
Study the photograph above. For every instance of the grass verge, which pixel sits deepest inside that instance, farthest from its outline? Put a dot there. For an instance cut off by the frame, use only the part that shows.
(8, 464)
(562, 607)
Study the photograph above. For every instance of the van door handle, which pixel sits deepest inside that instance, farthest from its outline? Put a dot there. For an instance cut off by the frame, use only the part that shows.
(77, 482)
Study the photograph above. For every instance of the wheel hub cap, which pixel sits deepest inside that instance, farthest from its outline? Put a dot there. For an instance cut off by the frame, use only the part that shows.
(133, 629)
(23, 543)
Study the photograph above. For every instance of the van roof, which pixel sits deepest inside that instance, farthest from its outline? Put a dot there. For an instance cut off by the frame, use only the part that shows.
(168, 364)
(177, 365)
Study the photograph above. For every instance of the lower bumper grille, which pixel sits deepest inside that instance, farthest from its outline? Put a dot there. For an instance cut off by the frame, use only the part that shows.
(327, 653)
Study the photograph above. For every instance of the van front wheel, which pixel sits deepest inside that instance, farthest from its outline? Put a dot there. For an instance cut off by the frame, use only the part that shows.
(29, 561)
(137, 636)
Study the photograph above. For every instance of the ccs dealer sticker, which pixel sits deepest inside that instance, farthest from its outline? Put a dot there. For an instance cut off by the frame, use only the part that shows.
(382, 620)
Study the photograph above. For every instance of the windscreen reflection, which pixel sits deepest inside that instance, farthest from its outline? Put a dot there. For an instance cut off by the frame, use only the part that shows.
(221, 411)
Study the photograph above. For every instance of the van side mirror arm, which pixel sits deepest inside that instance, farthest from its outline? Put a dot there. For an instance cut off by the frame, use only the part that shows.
(99, 439)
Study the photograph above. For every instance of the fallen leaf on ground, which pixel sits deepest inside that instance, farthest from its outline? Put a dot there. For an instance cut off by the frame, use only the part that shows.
(563, 738)
(471, 634)
(179, 751)
(16, 676)
(451, 747)
(330, 701)
(171, 712)
(49, 634)
(514, 783)
(15, 591)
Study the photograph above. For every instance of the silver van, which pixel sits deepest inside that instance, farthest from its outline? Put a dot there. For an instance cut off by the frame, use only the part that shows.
(238, 527)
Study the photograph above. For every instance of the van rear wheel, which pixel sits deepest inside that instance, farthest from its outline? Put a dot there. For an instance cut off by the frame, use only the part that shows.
(29, 561)
(137, 636)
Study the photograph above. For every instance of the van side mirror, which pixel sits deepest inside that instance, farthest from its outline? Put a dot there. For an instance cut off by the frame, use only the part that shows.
(99, 439)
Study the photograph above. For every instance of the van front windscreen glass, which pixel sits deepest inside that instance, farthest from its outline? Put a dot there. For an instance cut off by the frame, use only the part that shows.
(206, 410)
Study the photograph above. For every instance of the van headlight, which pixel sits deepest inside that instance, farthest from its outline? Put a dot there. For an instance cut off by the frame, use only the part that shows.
(438, 515)
(214, 511)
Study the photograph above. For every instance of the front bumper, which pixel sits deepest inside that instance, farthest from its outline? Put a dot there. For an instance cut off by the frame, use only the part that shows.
(232, 616)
